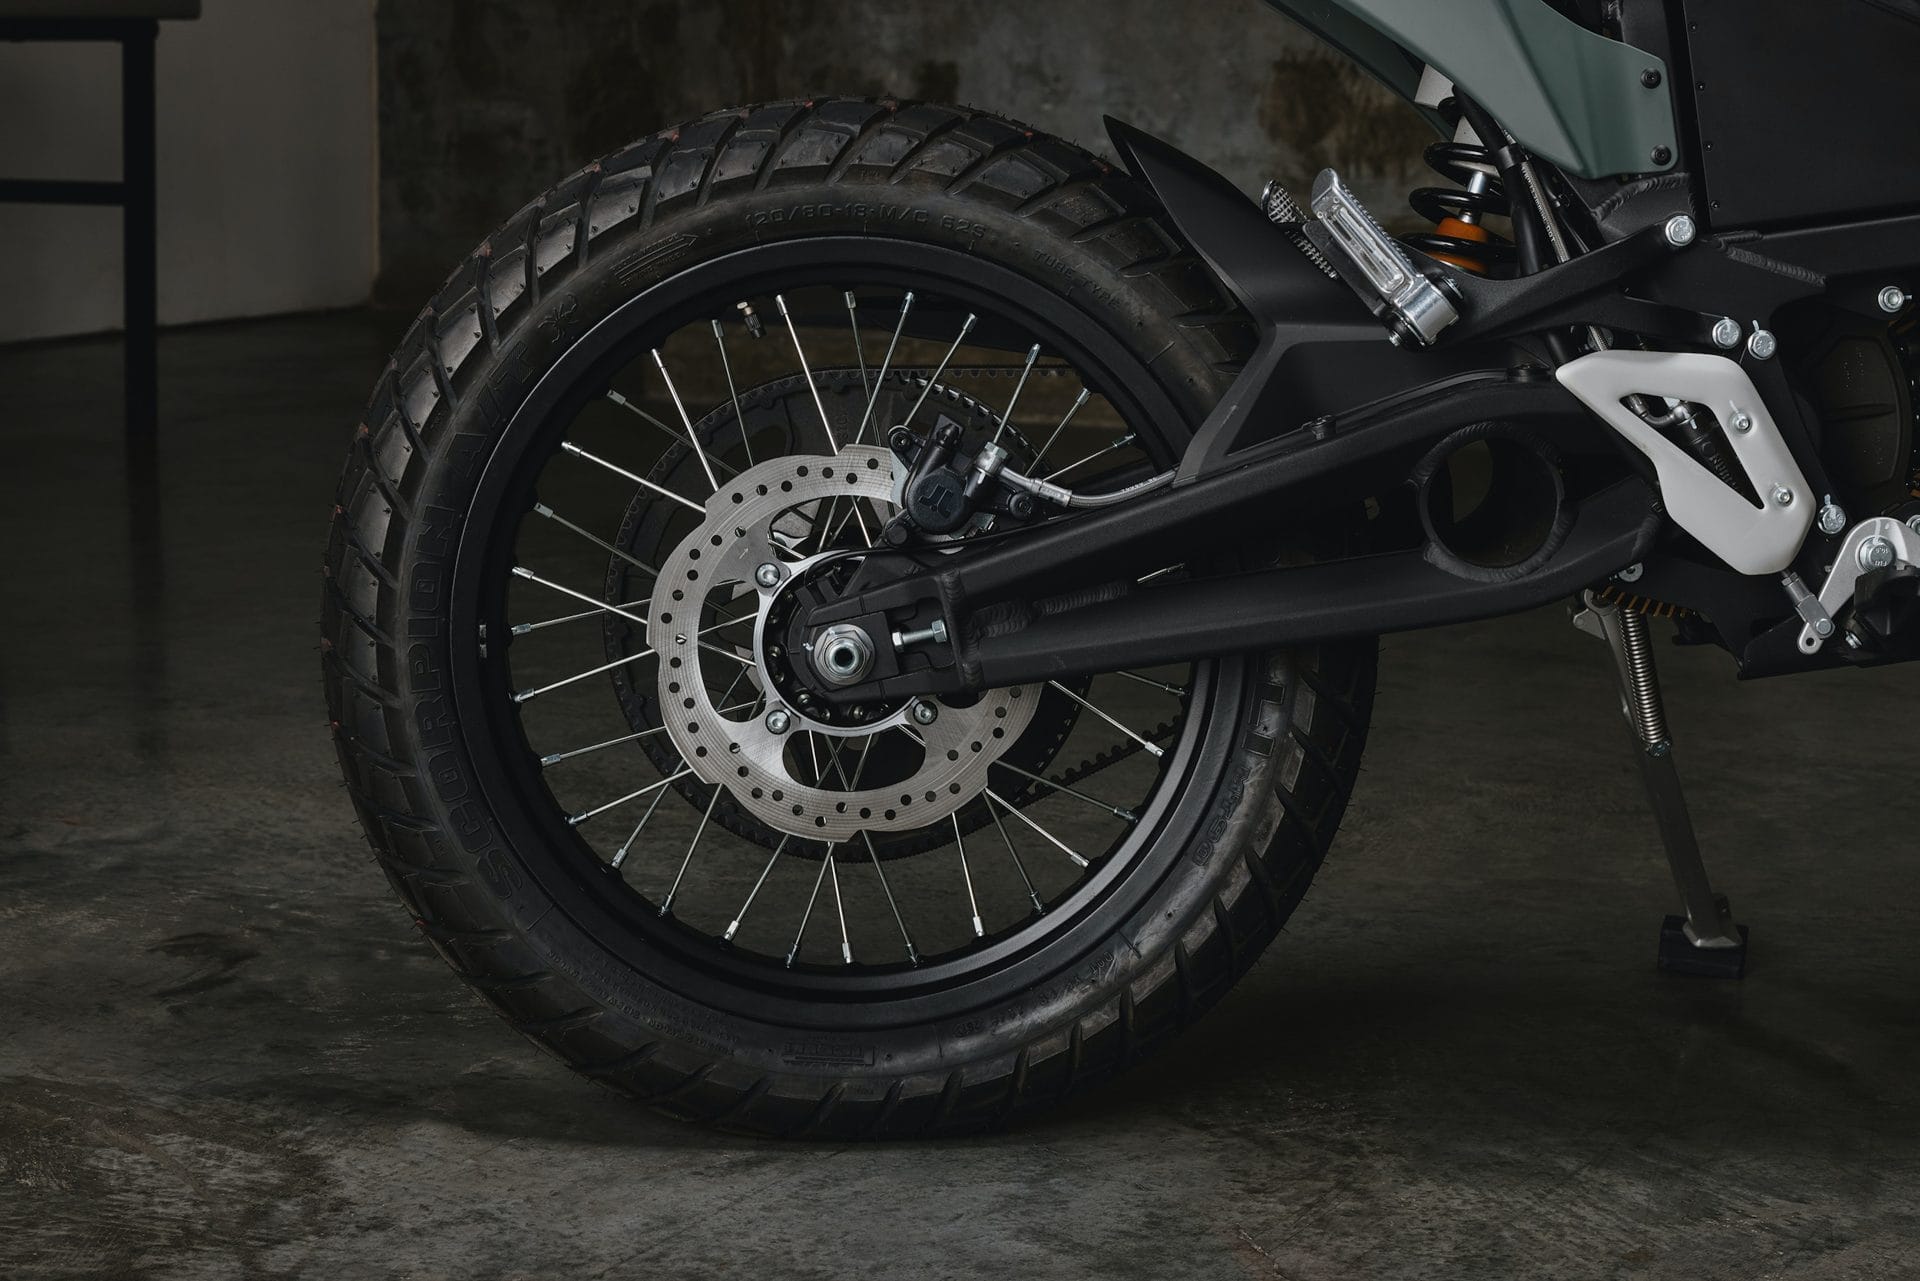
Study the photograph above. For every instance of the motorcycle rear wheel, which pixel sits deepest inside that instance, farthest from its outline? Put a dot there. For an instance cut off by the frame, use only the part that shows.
(598, 958)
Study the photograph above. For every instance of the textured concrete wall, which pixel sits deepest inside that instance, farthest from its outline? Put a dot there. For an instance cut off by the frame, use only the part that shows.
(485, 102)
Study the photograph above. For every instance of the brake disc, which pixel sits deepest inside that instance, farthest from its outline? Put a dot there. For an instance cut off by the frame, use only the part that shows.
(763, 760)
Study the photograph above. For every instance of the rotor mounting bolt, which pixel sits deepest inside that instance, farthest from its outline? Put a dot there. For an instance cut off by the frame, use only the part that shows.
(1833, 517)
(768, 575)
(1782, 496)
(1875, 553)
(779, 721)
(925, 712)
(1892, 299)
(1681, 231)
(1726, 333)
(1761, 344)
(1742, 421)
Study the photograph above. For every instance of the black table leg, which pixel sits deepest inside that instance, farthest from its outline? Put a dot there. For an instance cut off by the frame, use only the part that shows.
(138, 229)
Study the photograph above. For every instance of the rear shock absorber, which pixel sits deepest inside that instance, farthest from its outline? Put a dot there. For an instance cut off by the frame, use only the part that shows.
(1460, 237)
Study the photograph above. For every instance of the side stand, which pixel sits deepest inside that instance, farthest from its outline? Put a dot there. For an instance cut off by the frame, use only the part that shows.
(1705, 941)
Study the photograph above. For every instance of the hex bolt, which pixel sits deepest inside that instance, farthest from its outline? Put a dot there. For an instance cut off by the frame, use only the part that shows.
(1782, 496)
(1726, 333)
(935, 632)
(1681, 230)
(1761, 344)
(1913, 523)
(925, 712)
(778, 721)
(1875, 553)
(1833, 517)
(1742, 421)
(1631, 574)
(1892, 299)
(768, 575)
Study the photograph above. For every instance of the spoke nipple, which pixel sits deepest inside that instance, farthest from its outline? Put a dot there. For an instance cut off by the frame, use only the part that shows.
(846, 954)
(978, 931)
(732, 929)
(790, 956)
(523, 696)
(548, 760)
(1038, 908)
(913, 956)
(574, 820)
(1126, 816)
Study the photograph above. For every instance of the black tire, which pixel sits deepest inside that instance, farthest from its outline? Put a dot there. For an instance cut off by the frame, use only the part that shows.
(1285, 761)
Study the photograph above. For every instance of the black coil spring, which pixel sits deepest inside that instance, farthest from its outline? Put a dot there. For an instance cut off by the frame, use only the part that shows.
(1458, 162)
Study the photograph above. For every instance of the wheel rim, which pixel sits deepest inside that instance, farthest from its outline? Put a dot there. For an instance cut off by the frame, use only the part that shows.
(696, 930)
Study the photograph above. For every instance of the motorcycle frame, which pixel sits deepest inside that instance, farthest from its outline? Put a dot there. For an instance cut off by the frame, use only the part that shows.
(1287, 437)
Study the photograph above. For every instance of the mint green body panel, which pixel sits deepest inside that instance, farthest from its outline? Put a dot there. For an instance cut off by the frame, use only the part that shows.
(1566, 93)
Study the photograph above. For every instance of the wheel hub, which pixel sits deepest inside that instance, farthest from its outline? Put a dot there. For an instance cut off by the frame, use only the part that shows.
(810, 777)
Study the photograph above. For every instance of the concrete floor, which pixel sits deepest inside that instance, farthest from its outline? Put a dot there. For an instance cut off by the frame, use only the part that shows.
(228, 1054)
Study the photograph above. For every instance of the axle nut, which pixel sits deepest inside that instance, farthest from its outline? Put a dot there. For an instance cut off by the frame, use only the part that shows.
(843, 654)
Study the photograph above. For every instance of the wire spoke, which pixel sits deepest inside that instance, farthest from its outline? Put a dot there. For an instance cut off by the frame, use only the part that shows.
(1083, 398)
(966, 874)
(693, 437)
(521, 629)
(733, 927)
(1121, 443)
(1115, 810)
(642, 481)
(666, 904)
(577, 819)
(556, 757)
(913, 956)
(1152, 748)
(840, 909)
(528, 695)
(1032, 895)
(633, 408)
(620, 855)
(859, 352)
(541, 509)
(826, 424)
(1051, 839)
(521, 571)
(1006, 416)
(733, 393)
(906, 305)
(1177, 691)
(966, 327)
(807, 915)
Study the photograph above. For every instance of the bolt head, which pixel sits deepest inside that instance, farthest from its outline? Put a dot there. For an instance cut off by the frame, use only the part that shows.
(768, 574)
(1892, 299)
(1726, 333)
(1782, 496)
(925, 712)
(1913, 523)
(1823, 627)
(1661, 155)
(1681, 230)
(1761, 344)
(1631, 574)
(1833, 518)
(778, 721)
(1650, 77)
(1876, 553)
(1742, 422)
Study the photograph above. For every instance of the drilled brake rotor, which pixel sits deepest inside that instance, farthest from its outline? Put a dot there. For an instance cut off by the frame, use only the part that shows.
(770, 763)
